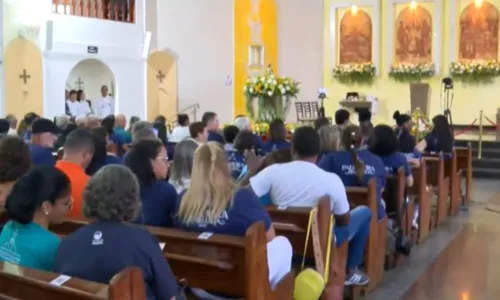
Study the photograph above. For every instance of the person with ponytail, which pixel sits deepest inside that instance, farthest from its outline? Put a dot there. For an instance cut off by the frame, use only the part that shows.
(356, 166)
(39, 198)
(407, 143)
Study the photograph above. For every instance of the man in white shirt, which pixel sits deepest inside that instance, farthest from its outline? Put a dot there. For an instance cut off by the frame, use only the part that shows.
(13, 124)
(301, 183)
(180, 132)
(106, 105)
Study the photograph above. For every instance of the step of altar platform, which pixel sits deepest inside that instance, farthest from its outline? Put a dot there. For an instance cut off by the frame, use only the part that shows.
(488, 166)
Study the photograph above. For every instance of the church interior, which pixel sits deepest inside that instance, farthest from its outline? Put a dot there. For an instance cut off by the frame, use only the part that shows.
(267, 79)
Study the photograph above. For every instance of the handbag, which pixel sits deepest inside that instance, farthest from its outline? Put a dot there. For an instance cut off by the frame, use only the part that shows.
(310, 283)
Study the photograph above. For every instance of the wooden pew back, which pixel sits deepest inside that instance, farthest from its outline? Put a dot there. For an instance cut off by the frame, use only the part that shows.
(26, 284)
(292, 222)
(376, 245)
(464, 164)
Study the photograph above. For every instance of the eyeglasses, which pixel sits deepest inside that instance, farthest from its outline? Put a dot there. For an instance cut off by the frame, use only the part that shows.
(162, 159)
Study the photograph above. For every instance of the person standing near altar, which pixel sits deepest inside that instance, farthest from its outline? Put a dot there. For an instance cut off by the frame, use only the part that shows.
(106, 105)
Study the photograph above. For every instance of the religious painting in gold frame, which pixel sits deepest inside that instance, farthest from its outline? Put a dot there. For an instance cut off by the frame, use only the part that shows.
(355, 37)
(413, 38)
(478, 35)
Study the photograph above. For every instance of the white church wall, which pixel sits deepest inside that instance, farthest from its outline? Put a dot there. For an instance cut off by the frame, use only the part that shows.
(201, 34)
(300, 46)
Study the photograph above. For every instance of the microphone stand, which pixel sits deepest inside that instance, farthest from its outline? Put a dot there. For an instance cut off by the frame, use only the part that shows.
(321, 111)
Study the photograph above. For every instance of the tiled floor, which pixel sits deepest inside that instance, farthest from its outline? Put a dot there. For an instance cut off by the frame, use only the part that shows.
(457, 261)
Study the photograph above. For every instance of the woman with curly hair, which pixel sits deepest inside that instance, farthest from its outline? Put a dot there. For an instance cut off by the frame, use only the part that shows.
(109, 245)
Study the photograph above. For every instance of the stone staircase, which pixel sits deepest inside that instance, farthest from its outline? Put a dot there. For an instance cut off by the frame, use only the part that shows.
(488, 166)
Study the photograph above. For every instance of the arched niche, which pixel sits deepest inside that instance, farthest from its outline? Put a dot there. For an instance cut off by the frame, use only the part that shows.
(355, 37)
(478, 37)
(413, 40)
(23, 78)
(90, 76)
(162, 84)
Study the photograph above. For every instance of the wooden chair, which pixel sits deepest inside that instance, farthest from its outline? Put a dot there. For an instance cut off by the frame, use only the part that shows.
(464, 164)
(237, 266)
(26, 284)
(439, 185)
(374, 260)
(305, 113)
(423, 194)
(292, 222)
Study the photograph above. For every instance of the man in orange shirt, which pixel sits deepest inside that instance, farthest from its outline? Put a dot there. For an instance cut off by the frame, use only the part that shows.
(78, 152)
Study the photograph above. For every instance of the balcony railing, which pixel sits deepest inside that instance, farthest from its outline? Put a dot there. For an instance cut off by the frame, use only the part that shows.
(115, 10)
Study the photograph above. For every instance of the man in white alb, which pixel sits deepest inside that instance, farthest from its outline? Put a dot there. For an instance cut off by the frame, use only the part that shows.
(106, 105)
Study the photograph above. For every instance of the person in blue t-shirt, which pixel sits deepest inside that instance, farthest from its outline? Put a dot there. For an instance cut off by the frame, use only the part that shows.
(329, 140)
(100, 250)
(39, 198)
(277, 137)
(149, 162)
(109, 123)
(385, 146)
(101, 157)
(42, 142)
(244, 123)
(245, 140)
(230, 132)
(213, 203)
(356, 166)
(440, 139)
(211, 122)
(407, 143)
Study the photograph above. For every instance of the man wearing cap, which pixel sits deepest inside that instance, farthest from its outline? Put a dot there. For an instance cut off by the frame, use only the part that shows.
(42, 142)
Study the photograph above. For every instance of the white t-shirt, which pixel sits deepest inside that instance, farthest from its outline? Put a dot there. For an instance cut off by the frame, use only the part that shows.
(300, 184)
(78, 109)
(179, 133)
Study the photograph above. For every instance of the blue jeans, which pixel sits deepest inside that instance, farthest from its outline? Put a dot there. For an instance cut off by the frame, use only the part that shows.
(356, 232)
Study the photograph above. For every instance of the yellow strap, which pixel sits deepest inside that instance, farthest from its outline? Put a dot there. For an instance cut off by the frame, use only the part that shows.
(328, 249)
(308, 233)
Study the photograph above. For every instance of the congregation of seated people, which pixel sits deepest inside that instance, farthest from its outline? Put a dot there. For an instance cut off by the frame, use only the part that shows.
(195, 178)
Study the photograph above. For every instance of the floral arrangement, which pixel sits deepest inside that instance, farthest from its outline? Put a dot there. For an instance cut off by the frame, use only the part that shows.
(420, 124)
(354, 73)
(273, 93)
(408, 72)
(475, 71)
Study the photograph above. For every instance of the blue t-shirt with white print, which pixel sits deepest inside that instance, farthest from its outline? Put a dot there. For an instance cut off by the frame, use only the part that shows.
(342, 164)
(236, 162)
(395, 161)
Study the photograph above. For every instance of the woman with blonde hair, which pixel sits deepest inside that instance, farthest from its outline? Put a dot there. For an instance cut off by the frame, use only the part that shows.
(329, 140)
(213, 203)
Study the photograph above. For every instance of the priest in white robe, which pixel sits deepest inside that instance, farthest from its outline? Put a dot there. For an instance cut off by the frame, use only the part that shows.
(106, 105)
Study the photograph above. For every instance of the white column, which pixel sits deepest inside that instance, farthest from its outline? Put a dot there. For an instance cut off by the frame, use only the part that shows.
(2, 70)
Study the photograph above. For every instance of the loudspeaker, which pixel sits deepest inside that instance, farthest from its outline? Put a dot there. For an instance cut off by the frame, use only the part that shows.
(147, 45)
(49, 35)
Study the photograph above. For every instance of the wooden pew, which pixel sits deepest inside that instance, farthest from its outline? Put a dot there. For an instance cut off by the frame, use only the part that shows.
(424, 197)
(464, 164)
(234, 266)
(26, 284)
(439, 185)
(394, 197)
(451, 171)
(374, 260)
(292, 222)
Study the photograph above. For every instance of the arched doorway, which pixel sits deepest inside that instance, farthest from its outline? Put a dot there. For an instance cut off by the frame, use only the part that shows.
(162, 85)
(90, 76)
(23, 78)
